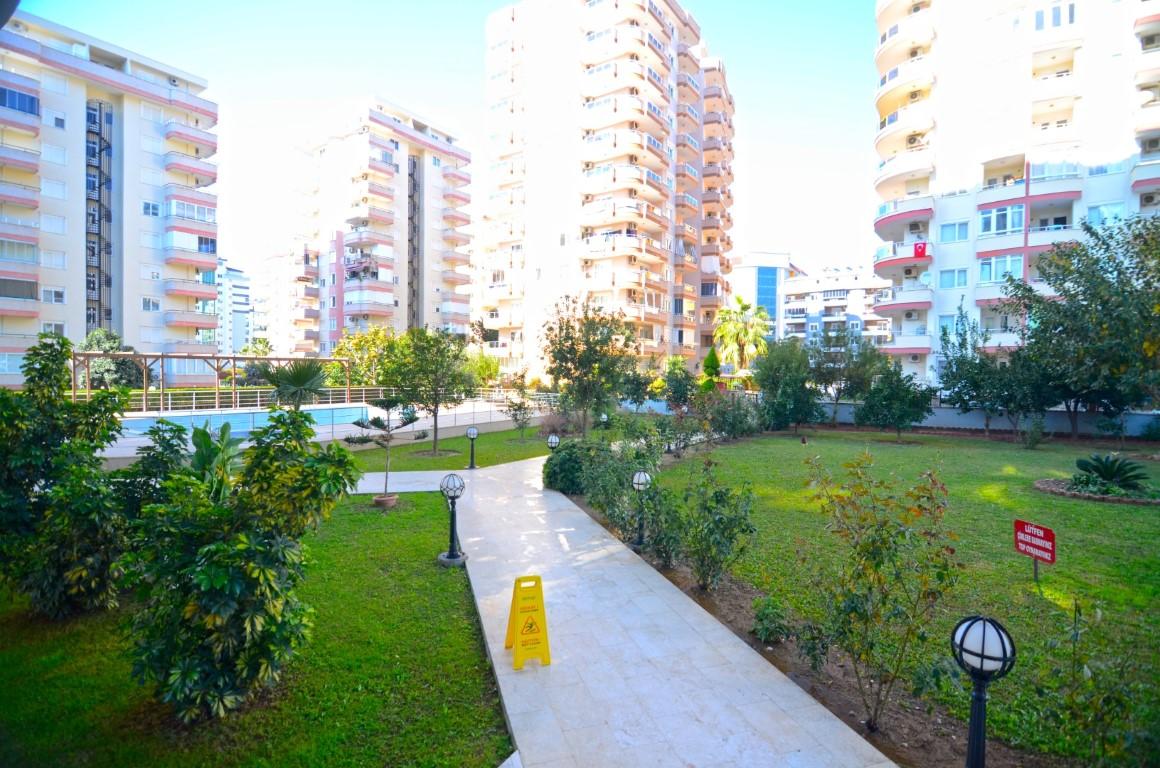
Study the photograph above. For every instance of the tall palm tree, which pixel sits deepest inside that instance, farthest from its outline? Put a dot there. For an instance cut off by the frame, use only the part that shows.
(741, 333)
(295, 383)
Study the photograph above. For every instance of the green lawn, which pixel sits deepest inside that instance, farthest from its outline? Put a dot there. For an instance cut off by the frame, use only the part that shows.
(490, 448)
(1107, 554)
(396, 674)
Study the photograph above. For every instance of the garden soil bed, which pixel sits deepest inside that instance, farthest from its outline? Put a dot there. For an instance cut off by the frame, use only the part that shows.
(916, 734)
(1058, 487)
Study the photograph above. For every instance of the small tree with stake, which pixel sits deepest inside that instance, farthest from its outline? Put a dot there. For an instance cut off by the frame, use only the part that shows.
(520, 408)
(386, 433)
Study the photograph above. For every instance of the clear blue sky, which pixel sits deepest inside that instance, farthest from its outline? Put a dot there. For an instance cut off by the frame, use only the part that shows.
(802, 75)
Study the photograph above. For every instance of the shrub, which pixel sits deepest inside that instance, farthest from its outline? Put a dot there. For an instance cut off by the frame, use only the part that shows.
(770, 623)
(1114, 470)
(729, 416)
(1033, 435)
(678, 432)
(564, 469)
(554, 422)
(894, 402)
(605, 480)
(664, 525)
(880, 602)
(1151, 430)
(717, 526)
(218, 616)
(142, 482)
(422, 434)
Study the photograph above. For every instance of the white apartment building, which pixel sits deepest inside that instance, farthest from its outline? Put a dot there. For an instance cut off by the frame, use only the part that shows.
(759, 279)
(287, 303)
(386, 233)
(104, 219)
(607, 176)
(1003, 126)
(834, 300)
(235, 309)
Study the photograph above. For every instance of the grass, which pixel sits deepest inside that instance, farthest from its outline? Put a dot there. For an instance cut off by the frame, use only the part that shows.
(396, 673)
(1107, 554)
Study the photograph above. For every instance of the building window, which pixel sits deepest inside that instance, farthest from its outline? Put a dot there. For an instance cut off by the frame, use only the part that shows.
(995, 269)
(52, 259)
(952, 278)
(953, 232)
(21, 102)
(435, 161)
(51, 153)
(183, 210)
(999, 221)
(332, 302)
(150, 304)
(151, 144)
(10, 363)
(152, 177)
(946, 323)
(57, 328)
(334, 324)
(150, 209)
(52, 224)
(50, 294)
(152, 113)
(150, 240)
(1098, 215)
(207, 245)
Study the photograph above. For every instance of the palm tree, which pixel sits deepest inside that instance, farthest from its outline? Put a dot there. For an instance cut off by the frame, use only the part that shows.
(741, 334)
(295, 383)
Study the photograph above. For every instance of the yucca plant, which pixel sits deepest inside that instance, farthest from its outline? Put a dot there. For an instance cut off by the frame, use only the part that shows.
(1114, 470)
(296, 383)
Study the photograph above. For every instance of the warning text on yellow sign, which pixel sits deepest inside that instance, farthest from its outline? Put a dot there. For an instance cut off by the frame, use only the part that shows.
(527, 629)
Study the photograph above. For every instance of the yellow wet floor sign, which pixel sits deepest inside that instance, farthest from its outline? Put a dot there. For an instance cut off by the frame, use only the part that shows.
(527, 629)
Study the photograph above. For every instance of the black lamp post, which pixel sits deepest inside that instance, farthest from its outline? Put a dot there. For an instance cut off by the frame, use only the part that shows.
(641, 481)
(553, 441)
(452, 487)
(986, 652)
(472, 433)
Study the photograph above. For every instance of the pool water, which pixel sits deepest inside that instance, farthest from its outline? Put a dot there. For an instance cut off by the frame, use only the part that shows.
(245, 422)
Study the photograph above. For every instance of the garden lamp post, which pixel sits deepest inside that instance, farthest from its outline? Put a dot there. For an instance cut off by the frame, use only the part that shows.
(986, 652)
(553, 441)
(472, 433)
(452, 488)
(641, 481)
(604, 419)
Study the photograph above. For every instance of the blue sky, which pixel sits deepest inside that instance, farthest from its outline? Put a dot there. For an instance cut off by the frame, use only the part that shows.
(802, 75)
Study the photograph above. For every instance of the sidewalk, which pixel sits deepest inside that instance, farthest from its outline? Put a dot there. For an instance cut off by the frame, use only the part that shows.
(640, 675)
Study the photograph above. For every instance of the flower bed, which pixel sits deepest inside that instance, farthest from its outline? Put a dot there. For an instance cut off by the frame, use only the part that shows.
(1058, 487)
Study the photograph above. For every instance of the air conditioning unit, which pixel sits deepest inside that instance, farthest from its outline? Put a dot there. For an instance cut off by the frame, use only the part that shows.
(915, 53)
(632, 193)
(917, 227)
(1148, 41)
(173, 81)
(1149, 199)
(913, 140)
(634, 125)
(908, 271)
(1152, 145)
(633, 159)
(915, 95)
(910, 315)
(915, 8)
(914, 358)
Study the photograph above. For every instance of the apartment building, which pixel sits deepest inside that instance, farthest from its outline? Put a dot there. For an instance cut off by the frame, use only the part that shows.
(288, 302)
(608, 173)
(759, 279)
(833, 301)
(235, 309)
(386, 233)
(104, 217)
(1003, 125)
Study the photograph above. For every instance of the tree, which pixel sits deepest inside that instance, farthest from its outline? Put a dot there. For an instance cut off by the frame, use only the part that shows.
(679, 385)
(386, 433)
(741, 333)
(970, 376)
(1024, 387)
(109, 372)
(844, 365)
(787, 394)
(295, 383)
(711, 368)
(435, 374)
(895, 401)
(589, 352)
(374, 358)
(483, 367)
(634, 387)
(258, 347)
(1098, 337)
(520, 408)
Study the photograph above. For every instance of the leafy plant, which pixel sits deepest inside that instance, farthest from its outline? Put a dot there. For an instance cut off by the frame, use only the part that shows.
(436, 374)
(728, 415)
(679, 385)
(216, 458)
(1114, 470)
(741, 332)
(386, 430)
(634, 387)
(564, 469)
(142, 482)
(1033, 434)
(770, 623)
(664, 525)
(296, 383)
(717, 526)
(881, 601)
(218, 616)
(787, 394)
(520, 408)
(895, 402)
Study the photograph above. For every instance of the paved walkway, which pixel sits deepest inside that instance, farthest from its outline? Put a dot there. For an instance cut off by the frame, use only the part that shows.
(640, 675)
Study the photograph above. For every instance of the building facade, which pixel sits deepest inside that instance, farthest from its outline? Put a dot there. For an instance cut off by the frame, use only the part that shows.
(759, 279)
(609, 163)
(991, 153)
(387, 232)
(104, 217)
(235, 309)
(833, 301)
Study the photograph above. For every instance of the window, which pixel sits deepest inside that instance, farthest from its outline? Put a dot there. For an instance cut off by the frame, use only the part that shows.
(999, 221)
(946, 323)
(150, 209)
(53, 83)
(1104, 213)
(952, 278)
(10, 250)
(21, 102)
(57, 328)
(150, 272)
(52, 259)
(150, 240)
(332, 302)
(334, 324)
(152, 113)
(51, 153)
(53, 119)
(996, 268)
(17, 289)
(150, 304)
(435, 161)
(53, 189)
(151, 144)
(953, 232)
(92, 183)
(10, 363)
(185, 210)
(207, 245)
(1056, 15)
(152, 177)
(52, 224)
(50, 294)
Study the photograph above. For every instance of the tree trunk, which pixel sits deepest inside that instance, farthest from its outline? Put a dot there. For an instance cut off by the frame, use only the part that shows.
(1072, 409)
(387, 473)
(834, 417)
(898, 434)
(986, 424)
(435, 432)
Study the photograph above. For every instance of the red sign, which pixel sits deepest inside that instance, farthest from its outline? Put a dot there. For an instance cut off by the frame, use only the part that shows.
(1035, 541)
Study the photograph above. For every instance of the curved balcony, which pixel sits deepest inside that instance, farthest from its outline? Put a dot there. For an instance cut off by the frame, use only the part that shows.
(199, 138)
(380, 285)
(897, 130)
(455, 237)
(381, 168)
(890, 183)
(203, 172)
(193, 288)
(611, 111)
(717, 99)
(368, 308)
(455, 177)
(19, 158)
(191, 347)
(893, 256)
(190, 258)
(179, 318)
(455, 218)
(916, 30)
(455, 197)
(1146, 176)
(451, 277)
(910, 342)
(361, 215)
(1147, 21)
(894, 217)
(366, 238)
(455, 259)
(902, 300)
(717, 150)
(915, 74)
(1148, 120)
(608, 145)
(1148, 68)
(20, 195)
(688, 147)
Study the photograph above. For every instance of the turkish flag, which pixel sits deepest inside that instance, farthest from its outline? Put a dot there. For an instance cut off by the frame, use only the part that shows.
(920, 249)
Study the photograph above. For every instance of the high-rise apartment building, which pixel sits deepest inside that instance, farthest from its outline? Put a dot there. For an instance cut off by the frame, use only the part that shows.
(104, 219)
(607, 176)
(387, 228)
(759, 280)
(235, 309)
(1003, 125)
(833, 301)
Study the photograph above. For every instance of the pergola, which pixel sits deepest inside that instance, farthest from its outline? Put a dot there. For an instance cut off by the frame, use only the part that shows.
(219, 364)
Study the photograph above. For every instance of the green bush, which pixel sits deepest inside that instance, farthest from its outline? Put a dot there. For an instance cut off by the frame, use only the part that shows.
(664, 525)
(563, 471)
(729, 415)
(1151, 430)
(217, 564)
(1033, 435)
(717, 526)
(1114, 470)
(770, 623)
(605, 481)
(142, 482)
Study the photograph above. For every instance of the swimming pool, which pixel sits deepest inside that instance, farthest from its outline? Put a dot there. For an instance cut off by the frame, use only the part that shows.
(243, 422)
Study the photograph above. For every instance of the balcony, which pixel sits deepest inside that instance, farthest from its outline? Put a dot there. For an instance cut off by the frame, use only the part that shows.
(893, 173)
(193, 346)
(904, 254)
(911, 341)
(190, 258)
(19, 158)
(19, 121)
(20, 195)
(903, 299)
(455, 218)
(204, 172)
(455, 177)
(381, 168)
(914, 74)
(174, 223)
(1148, 120)
(202, 140)
(451, 277)
(455, 237)
(455, 258)
(897, 131)
(178, 318)
(367, 238)
(915, 30)
(192, 288)
(362, 214)
(894, 218)
(456, 197)
(1043, 238)
(190, 195)
(1148, 68)
(1146, 176)
(19, 307)
(455, 311)
(368, 308)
